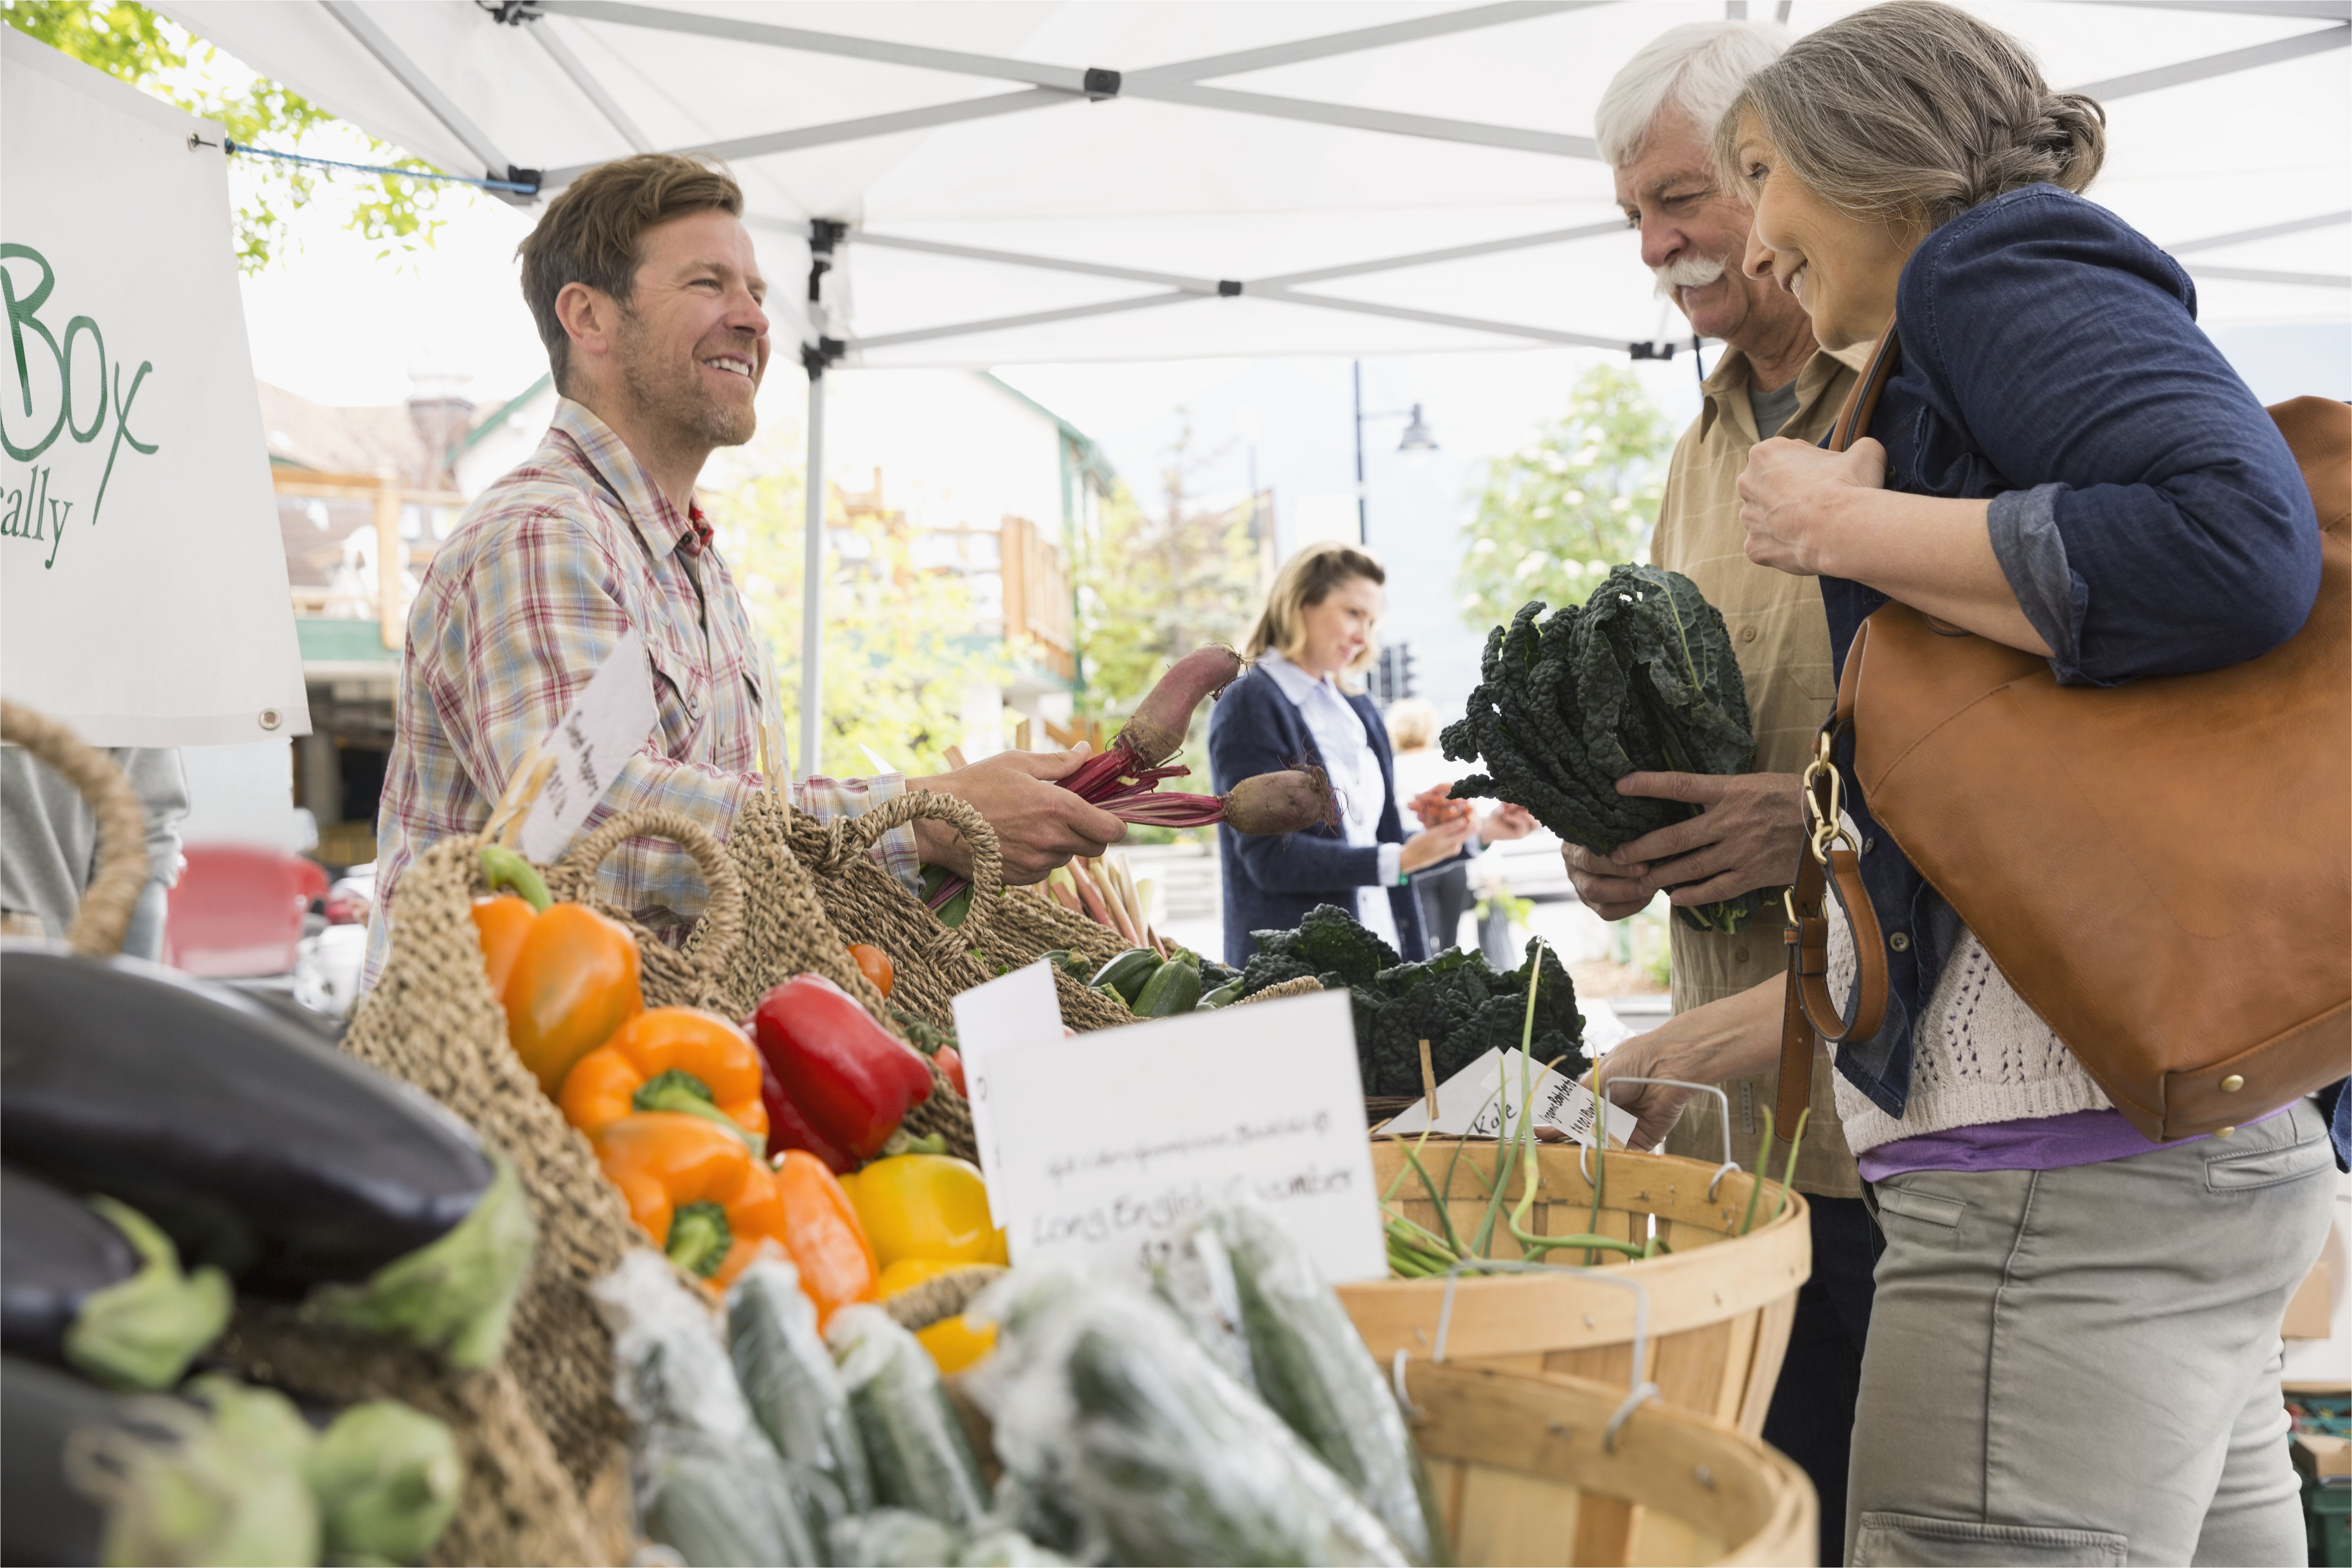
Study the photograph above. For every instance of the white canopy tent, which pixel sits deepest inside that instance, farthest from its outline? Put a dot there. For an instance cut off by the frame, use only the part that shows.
(993, 181)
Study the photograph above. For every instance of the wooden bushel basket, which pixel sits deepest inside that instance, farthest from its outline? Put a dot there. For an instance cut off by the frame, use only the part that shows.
(1718, 1303)
(1525, 1471)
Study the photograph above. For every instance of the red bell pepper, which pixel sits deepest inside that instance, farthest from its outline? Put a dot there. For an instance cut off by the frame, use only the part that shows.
(853, 1080)
(788, 1129)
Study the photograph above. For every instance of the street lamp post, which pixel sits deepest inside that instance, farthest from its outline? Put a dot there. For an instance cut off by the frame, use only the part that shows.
(1417, 437)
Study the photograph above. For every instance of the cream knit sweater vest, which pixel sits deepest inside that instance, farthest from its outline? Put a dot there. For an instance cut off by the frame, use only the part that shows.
(1978, 1054)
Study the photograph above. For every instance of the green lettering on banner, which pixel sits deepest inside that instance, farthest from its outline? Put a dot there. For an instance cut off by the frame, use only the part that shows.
(32, 512)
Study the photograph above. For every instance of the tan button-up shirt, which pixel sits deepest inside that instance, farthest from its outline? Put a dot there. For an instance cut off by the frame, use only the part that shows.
(1781, 639)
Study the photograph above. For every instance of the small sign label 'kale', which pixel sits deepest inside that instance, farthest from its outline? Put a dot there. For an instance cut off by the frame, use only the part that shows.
(1640, 678)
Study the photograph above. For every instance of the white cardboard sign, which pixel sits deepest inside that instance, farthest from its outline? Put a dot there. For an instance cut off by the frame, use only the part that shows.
(603, 729)
(1477, 1101)
(1102, 1149)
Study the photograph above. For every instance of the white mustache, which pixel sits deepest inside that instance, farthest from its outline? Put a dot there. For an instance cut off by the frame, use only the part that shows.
(1689, 272)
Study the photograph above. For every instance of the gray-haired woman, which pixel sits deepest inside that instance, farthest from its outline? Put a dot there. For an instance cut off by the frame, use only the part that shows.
(2073, 1353)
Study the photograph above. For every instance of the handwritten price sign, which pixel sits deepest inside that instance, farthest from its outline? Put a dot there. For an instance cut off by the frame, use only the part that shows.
(603, 728)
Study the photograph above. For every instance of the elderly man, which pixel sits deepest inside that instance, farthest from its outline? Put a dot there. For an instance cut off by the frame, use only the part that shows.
(644, 288)
(1653, 125)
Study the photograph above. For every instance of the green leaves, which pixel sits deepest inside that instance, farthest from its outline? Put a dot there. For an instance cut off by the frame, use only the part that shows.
(1581, 493)
(1640, 678)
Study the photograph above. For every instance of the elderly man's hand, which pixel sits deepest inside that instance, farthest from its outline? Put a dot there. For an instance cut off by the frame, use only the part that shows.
(1603, 885)
(1748, 834)
(1039, 823)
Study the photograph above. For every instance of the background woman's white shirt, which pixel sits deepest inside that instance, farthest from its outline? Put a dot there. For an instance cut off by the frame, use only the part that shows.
(1355, 773)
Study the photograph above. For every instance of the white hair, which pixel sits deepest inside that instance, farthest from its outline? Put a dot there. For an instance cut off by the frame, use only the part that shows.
(1699, 69)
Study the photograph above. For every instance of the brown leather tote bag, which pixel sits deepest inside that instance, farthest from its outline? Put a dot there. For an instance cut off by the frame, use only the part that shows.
(2163, 870)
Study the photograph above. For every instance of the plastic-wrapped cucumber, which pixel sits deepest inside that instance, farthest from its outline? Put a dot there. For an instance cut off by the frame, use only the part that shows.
(96, 1287)
(1003, 1548)
(1311, 1367)
(1100, 1395)
(915, 1442)
(256, 1149)
(894, 1538)
(708, 1484)
(789, 1379)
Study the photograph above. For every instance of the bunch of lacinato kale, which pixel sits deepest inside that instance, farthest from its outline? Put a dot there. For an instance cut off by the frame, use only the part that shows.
(1640, 678)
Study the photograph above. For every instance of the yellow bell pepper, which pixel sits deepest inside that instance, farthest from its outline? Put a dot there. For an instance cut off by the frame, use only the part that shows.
(927, 1206)
(954, 1342)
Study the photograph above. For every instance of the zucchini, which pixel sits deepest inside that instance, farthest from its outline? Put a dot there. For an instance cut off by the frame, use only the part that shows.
(1229, 992)
(1312, 1368)
(915, 1442)
(894, 1538)
(1127, 973)
(716, 1507)
(1103, 1401)
(1173, 988)
(256, 1148)
(97, 1287)
(794, 1391)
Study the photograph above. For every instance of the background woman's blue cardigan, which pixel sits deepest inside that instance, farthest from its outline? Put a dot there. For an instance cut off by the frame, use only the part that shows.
(1271, 882)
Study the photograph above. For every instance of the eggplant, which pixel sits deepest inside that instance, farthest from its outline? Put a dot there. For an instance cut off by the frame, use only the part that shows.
(42, 1517)
(97, 1287)
(258, 1150)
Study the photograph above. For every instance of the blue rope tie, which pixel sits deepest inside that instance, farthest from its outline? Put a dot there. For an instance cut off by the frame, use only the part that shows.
(516, 186)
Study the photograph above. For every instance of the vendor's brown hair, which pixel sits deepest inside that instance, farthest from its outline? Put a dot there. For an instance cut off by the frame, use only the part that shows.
(591, 232)
(1307, 578)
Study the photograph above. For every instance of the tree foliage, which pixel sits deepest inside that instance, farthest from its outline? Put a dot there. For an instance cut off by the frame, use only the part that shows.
(133, 44)
(1154, 587)
(901, 646)
(1576, 500)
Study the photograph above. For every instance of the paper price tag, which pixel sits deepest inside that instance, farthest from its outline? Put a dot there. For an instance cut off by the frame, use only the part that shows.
(1102, 1150)
(603, 728)
(1484, 1098)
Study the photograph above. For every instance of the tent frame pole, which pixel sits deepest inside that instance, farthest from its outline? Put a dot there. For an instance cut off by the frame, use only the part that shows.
(823, 235)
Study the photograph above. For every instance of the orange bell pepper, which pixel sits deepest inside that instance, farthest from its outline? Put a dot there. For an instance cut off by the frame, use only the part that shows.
(503, 919)
(672, 1058)
(573, 978)
(698, 1192)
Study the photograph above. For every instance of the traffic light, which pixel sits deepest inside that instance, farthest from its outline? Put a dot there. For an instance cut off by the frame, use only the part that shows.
(1392, 677)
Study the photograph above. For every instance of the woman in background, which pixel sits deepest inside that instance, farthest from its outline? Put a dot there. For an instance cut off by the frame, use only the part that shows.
(1316, 629)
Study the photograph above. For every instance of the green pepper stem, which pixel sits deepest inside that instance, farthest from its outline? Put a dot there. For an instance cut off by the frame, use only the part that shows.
(502, 867)
(682, 1092)
(699, 1238)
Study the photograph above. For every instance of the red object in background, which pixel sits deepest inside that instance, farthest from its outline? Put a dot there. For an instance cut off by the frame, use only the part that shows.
(237, 910)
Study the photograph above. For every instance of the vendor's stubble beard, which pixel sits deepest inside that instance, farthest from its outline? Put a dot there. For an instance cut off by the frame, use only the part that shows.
(669, 392)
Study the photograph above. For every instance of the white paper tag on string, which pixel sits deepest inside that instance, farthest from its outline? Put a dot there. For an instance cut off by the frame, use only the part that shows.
(1483, 1101)
(606, 725)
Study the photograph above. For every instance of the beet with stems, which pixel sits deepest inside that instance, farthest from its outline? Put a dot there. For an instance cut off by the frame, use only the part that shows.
(1288, 802)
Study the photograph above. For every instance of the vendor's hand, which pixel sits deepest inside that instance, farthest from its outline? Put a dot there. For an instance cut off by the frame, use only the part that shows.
(1039, 824)
(1736, 1038)
(1788, 496)
(1431, 844)
(1748, 834)
(1506, 821)
(1604, 886)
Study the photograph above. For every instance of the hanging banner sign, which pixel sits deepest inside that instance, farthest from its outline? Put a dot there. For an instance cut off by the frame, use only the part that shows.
(141, 574)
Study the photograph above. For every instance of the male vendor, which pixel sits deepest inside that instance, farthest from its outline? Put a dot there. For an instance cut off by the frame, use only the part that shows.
(646, 289)
(1653, 123)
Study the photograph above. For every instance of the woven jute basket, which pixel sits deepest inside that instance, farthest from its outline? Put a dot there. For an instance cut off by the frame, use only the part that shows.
(866, 904)
(522, 1505)
(433, 1020)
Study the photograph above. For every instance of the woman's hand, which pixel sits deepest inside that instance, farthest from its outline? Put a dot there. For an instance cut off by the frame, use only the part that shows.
(1431, 844)
(1736, 1038)
(1506, 821)
(1789, 500)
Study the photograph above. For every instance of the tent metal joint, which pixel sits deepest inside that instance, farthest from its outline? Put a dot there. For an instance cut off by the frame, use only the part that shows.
(1101, 84)
(1228, 288)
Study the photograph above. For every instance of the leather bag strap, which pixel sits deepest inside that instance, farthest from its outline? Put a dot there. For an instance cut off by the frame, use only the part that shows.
(1830, 866)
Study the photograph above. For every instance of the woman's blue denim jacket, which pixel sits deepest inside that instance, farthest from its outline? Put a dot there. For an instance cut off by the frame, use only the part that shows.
(2145, 508)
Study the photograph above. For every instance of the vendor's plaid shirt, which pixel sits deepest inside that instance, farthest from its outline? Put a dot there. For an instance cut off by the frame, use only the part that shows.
(543, 575)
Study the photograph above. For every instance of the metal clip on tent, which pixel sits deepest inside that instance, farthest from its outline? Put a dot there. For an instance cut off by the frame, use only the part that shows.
(1584, 1167)
(1643, 1390)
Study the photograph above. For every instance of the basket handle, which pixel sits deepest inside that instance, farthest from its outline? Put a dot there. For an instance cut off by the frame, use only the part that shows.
(723, 917)
(104, 914)
(856, 835)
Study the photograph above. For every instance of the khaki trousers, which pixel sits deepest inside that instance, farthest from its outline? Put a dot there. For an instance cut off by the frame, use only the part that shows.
(2081, 1365)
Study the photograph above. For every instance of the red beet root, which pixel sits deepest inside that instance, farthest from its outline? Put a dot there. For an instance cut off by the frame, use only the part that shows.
(1287, 801)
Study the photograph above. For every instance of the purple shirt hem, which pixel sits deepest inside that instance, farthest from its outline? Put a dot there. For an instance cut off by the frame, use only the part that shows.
(2040, 1144)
